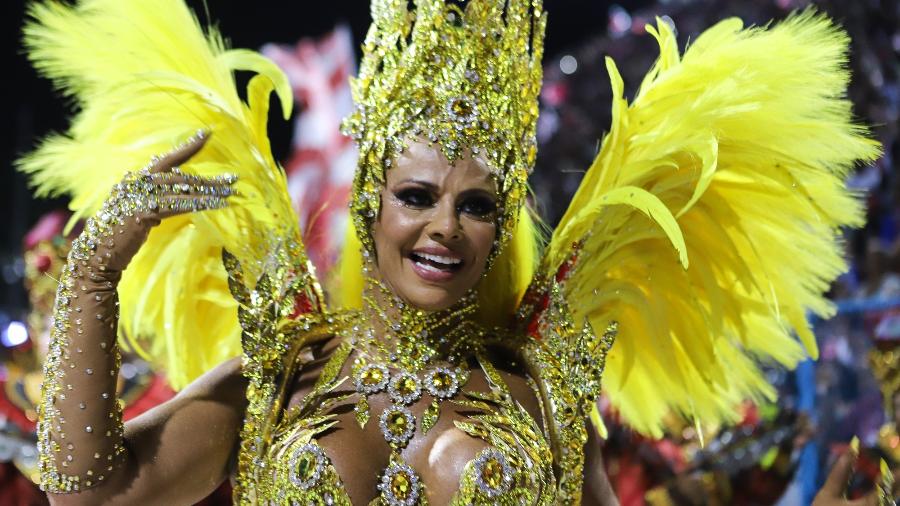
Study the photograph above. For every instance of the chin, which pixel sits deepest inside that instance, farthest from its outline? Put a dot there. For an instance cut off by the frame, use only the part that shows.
(430, 298)
(432, 294)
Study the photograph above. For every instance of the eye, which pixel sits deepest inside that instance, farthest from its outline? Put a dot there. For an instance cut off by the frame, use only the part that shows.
(416, 198)
(478, 206)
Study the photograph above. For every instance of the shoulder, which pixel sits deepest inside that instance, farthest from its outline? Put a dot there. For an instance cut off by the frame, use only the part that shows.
(226, 380)
(312, 357)
(509, 365)
(315, 338)
(308, 365)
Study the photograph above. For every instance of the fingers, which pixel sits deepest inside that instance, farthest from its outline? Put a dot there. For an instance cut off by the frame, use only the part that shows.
(181, 154)
(179, 204)
(161, 195)
(870, 499)
(179, 183)
(839, 476)
(140, 201)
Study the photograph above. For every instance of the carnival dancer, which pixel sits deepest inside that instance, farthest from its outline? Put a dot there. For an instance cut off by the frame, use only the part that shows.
(455, 362)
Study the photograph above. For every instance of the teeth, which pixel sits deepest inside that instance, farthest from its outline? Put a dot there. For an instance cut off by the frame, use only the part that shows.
(439, 259)
(428, 267)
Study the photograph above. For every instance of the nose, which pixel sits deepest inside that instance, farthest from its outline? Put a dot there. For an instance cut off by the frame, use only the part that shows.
(445, 222)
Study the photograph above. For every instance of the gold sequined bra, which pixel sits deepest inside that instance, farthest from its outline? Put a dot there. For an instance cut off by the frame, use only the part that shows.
(280, 460)
(292, 468)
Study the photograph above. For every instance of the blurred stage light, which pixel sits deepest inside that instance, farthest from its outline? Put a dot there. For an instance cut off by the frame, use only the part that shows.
(568, 64)
(14, 334)
(619, 20)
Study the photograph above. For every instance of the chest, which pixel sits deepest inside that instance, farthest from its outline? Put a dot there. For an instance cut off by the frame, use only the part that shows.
(482, 444)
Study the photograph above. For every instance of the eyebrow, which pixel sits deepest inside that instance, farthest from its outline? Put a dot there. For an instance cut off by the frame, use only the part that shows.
(427, 184)
(433, 187)
(480, 192)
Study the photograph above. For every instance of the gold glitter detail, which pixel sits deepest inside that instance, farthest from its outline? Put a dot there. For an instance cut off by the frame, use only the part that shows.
(430, 417)
(362, 411)
(441, 380)
(492, 473)
(397, 423)
(273, 334)
(372, 377)
(406, 386)
(567, 363)
(496, 418)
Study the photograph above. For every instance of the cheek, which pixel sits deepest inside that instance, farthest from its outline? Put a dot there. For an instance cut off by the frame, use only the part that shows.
(394, 230)
(481, 235)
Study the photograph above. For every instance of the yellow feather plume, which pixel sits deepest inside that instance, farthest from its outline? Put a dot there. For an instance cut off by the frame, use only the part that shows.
(709, 222)
(144, 77)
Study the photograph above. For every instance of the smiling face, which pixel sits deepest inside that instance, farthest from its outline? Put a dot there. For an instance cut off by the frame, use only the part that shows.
(436, 226)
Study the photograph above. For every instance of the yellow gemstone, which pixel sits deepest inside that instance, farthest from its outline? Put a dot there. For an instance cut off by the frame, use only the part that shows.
(461, 107)
(492, 473)
(441, 380)
(401, 485)
(372, 376)
(532, 154)
(406, 385)
(397, 423)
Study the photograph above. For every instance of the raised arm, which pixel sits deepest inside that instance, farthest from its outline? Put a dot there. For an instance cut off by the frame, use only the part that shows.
(177, 452)
(597, 490)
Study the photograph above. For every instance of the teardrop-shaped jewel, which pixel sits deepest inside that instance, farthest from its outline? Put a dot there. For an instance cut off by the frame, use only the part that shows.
(431, 415)
(362, 411)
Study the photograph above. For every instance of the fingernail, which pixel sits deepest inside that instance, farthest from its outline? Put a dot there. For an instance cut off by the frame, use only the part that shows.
(854, 446)
(885, 468)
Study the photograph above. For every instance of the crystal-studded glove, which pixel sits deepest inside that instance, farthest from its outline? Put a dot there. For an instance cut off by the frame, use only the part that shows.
(80, 432)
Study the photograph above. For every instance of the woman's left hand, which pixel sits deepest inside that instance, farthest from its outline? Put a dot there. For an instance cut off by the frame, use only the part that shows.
(833, 491)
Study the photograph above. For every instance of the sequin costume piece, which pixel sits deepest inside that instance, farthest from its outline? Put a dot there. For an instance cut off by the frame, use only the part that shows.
(281, 459)
(731, 156)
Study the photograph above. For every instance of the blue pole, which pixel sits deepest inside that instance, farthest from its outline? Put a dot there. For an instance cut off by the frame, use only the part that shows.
(808, 469)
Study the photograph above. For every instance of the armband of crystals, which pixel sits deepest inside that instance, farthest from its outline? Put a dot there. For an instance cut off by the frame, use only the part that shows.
(80, 421)
(80, 429)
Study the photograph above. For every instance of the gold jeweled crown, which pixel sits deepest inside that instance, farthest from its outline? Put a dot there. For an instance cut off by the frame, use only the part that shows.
(464, 78)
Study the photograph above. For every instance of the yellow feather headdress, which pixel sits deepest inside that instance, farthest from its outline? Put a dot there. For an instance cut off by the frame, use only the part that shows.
(144, 76)
(708, 225)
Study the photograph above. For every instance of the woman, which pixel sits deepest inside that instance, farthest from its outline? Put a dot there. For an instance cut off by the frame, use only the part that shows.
(456, 369)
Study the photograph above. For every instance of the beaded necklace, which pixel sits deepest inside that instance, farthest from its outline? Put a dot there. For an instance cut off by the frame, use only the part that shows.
(418, 352)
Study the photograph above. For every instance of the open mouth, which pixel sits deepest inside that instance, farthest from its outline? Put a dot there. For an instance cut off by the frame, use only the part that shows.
(436, 263)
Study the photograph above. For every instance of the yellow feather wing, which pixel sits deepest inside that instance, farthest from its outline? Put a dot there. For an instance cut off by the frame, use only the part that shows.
(708, 225)
(143, 76)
